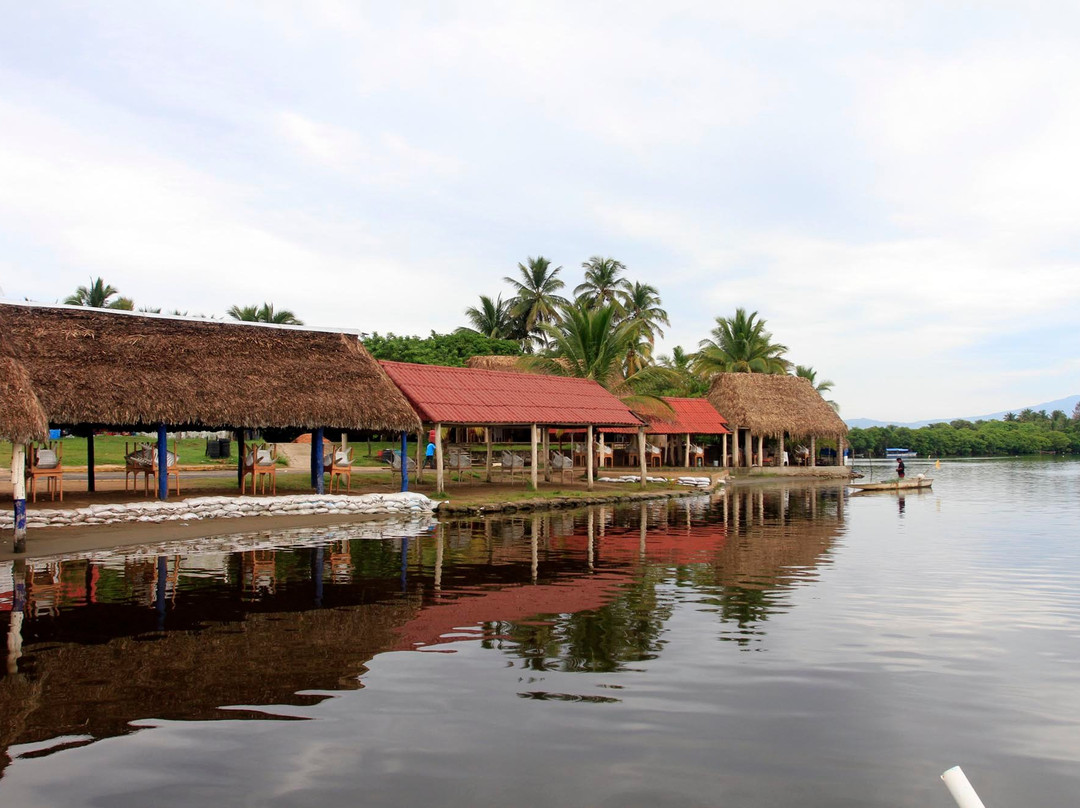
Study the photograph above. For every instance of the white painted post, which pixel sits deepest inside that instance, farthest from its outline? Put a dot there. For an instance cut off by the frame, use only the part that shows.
(723, 450)
(589, 457)
(535, 437)
(761, 450)
(688, 450)
(440, 481)
(642, 460)
(547, 453)
(487, 441)
(18, 493)
(600, 456)
(734, 447)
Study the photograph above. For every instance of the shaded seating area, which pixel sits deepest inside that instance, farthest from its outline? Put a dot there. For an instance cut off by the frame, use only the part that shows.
(46, 463)
(260, 463)
(784, 410)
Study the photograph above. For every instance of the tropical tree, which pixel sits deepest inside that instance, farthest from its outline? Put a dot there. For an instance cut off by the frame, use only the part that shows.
(264, 314)
(685, 381)
(590, 342)
(740, 344)
(822, 387)
(99, 295)
(494, 318)
(536, 300)
(603, 284)
(641, 309)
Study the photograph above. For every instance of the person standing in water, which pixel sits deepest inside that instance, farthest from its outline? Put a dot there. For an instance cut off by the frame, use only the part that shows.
(900, 467)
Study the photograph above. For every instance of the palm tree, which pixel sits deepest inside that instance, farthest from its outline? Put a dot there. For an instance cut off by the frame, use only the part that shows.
(535, 298)
(740, 344)
(97, 295)
(641, 308)
(687, 383)
(592, 343)
(822, 387)
(602, 282)
(264, 314)
(493, 319)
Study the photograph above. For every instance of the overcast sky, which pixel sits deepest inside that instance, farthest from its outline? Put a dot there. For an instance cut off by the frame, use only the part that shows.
(894, 187)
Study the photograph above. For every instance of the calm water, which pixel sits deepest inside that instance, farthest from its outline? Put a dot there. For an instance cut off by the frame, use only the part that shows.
(785, 645)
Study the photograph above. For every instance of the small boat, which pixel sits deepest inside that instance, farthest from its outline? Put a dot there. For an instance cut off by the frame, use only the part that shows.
(895, 485)
(892, 454)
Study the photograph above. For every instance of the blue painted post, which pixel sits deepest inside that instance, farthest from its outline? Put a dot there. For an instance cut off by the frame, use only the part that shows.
(404, 461)
(162, 463)
(317, 459)
(18, 494)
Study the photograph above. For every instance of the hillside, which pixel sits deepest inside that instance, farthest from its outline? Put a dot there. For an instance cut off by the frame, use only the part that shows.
(1065, 404)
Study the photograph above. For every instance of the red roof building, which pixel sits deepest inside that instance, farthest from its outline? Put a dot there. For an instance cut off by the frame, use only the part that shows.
(468, 397)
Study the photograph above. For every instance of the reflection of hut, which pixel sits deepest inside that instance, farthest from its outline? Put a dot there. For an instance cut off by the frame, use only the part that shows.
(775, 406)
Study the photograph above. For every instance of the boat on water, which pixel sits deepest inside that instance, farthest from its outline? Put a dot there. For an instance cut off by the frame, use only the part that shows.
(895, 453)
(896, 485)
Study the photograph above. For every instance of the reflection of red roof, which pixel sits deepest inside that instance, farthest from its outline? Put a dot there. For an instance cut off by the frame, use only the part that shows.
(477, 397)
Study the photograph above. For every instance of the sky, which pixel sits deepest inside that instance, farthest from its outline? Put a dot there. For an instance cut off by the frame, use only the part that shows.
(892, 186)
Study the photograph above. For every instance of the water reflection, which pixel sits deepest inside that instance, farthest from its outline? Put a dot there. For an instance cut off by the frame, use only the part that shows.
(96, 642)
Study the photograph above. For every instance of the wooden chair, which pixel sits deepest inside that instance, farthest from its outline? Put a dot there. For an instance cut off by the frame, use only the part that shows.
(458, 459)
(562, 464)
(47, 463)
(512, 464)
(339, 463)
(143, 459)
(261, 463)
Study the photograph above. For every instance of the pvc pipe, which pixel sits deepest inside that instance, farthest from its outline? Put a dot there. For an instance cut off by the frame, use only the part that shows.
(961, 789)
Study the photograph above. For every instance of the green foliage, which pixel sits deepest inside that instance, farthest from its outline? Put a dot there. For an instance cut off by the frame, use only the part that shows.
(741, 344)
(535, 299)
(99, 296)
(264, 314)
(438, 349)
(1025, 434)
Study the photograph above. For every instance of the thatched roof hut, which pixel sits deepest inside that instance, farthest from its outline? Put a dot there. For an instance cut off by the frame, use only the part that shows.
(772, 404)
(21, 417)
(509, 364)
(113, 368)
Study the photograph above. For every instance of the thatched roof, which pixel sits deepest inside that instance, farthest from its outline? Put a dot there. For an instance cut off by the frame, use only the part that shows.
(21, 417)
(510, 364)
(771, 404)
(113, 368)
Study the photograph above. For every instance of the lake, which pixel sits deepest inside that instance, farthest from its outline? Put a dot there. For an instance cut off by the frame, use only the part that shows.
(783, 644)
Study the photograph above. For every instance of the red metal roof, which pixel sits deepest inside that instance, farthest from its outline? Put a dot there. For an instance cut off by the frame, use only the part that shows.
(691, 416)
(478, 397)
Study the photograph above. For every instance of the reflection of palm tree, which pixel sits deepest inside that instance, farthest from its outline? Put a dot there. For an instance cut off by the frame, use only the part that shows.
(535, 298)
(264, 314)
(97, 295)
(602, 282)
(740, 344)
(822, 387)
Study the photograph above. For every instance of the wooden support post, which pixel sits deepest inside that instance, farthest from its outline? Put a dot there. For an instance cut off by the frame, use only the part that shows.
(162, 463)
(487, 445)
(840, 451)
(589, 458)
(240, 460)
(440, 480)
(405, 460)
(723, 450)
(547, 453)
(317, 458)
(534, 437)
(18, 492)
(748, 448)
(91, 483)
(688, 450)
(601, 454)
(642, 460)
(735, 447)
(761, 450)
(421, 453)
(782, 450)
(813, 450)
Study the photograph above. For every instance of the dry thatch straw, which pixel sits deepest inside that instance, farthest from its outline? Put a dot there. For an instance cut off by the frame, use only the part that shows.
(772, 404)
(110, 368)
(21, 417)
(510, 364)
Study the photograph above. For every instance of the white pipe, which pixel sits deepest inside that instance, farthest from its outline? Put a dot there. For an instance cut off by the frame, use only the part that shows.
(961, 789)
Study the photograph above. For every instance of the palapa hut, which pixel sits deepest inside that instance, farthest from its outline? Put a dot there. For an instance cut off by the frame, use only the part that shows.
(21, 417)
(96, 368)
(776, 406)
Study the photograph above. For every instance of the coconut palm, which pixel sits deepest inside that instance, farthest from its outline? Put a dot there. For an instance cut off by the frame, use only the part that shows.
(264, 314)
(590, 342)
(740, 344)
(98, 295)
(493, 318)
(535, 300)
(602, 282)
(687, 383)
(822, 387)
(641, 308)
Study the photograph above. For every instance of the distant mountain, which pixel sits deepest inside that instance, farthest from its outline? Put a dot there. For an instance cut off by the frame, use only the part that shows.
(1066, 405)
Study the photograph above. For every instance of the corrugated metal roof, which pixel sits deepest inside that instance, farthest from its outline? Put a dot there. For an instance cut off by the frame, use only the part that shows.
(497, 398)
(691, 416)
